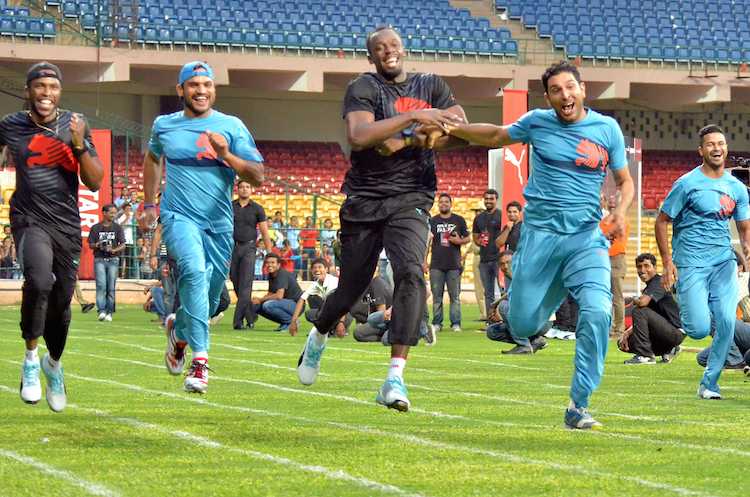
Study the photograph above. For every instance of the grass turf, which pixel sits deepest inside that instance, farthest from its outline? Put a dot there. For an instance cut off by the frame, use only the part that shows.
(482, 424)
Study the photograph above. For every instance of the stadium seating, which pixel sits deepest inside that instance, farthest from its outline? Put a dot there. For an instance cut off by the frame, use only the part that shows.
(17, 22)
(310, 25)
(660, 31)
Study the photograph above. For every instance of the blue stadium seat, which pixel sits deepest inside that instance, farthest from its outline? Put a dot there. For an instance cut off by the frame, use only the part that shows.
(642, 51)
(221, 37)
(669, 53)
(179, 35)
(70, 9)
(150, 36)
(471, 47)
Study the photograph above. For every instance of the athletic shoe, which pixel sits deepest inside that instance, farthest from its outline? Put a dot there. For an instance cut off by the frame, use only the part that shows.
(215, 320)
(430, 336)
(640, 359)
(539, 343)
(669, 356)
(393, 395)
(456, 327)
(31, 387)
(706, 394)
(308, 365)
(102, 315)
(518, 350)
(108, 318)
(85, 308)
(196, 380)
(580, 419)
(56, 393)
(174, 355)
(739, 365)
(435, 328)
(746, 370)
(282, 327)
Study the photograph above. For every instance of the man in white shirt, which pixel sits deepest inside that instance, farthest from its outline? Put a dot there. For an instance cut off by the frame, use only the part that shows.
(323, 284)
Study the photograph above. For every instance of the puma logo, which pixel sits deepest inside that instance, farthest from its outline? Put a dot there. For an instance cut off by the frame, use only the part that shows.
(592, 155)
(727, 207)
(205, 150)
(516, 162)
(51, 153)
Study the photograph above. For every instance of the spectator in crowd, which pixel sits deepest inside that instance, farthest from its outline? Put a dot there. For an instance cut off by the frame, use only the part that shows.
(7, 230)
(277, 222)
(286, 255)
(327, 234)
(292, 233)
(448, 232)
(309, 238)
(739, 351)
(283, 293)
(336, 248)
(144, 259)
(322, 285)
(619, 267)
(126, 196)
(155, 302)
(478, 288)
(107, 239)
(126, 220)
(249, 218)
(511, 233)
(656, 329)
(485, 231)
(7, 258)
(499, 330)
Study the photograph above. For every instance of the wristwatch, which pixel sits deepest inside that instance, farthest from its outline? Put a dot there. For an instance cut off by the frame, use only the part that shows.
(408, 135)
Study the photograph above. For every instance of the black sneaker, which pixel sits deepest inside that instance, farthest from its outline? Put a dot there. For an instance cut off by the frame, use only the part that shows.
(86, 308)
(741, 366)
(518, 349)
(539, 343)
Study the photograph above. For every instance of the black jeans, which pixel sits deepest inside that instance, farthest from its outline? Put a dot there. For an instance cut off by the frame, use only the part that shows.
(400, 225)
(50, 268)
(242, 274)
(652, 334)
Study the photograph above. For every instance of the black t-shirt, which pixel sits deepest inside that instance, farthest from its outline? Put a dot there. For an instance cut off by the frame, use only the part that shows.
(445, 255)
(511, 243)
(487, 225)
(410, 169)
(46, 172)
(378, 293)
(662, 301)
(111, 236)
(286, 280)
(246, 219)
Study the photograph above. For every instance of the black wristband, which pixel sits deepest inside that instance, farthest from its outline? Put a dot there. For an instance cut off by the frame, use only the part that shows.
(79, 151)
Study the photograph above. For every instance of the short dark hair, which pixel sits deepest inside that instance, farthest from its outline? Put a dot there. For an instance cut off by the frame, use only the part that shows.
(491, 191)
(271, 255)
(557, 68)
(375, 31)
(107, 207)
(504, 253)
(646, 257)
(708, 129)
(445, 195)
(240, 181)
(319, 260)
(514, 203)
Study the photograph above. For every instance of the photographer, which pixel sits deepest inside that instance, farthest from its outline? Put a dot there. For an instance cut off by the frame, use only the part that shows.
(107, 239)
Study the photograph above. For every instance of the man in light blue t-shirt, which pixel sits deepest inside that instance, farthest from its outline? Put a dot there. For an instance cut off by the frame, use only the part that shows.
(204, 150)
(562, 249)
(700, 205)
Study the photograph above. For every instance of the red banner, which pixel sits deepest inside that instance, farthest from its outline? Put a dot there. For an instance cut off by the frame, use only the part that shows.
(90, 203)
(516, 156)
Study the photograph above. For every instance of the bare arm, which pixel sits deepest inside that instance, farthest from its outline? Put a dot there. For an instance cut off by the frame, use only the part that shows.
(743, 228)
(616, 218)
(502, 238)
(248, 170)
(151, 178)
(643, 301)
(363, 131)
(670, 273)
(91, 170)
(263, 225)
(488, 135)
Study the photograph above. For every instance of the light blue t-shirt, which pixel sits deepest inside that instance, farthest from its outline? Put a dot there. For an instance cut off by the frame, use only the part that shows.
(199, 185)
(700, 208)
(568, 166)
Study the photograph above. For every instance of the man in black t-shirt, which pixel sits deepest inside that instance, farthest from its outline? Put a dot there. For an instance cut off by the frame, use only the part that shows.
(656, 326)
(52, 148)
(511, 232)
(390, 189)
(448, 233)
(107, 240)
(283, 293)
(247, 215)
(485, 231)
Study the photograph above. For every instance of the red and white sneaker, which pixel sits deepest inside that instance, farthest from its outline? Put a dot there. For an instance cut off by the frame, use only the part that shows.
(197, 378)
(174, 355)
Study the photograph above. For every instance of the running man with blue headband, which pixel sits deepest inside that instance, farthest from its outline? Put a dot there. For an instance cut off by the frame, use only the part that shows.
(699, 206)
(204, 151)
(562, 250)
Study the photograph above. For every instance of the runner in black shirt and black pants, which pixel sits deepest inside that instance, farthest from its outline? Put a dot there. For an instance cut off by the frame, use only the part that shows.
(247, 215)
(390, 189)
(51, 147)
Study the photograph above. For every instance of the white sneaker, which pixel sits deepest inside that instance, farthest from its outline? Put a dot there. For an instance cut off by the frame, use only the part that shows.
(456, 327)
(31, 387)
(215, 320)
(174, 355)
(393, 395)
(706, 394)
(196, 380)
(435, 328)
(56, 395)
(102, 315)
(108, 318)
(430, 335)
(308, 365)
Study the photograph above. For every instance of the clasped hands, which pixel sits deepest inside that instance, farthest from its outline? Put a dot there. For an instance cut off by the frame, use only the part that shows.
(432, 124)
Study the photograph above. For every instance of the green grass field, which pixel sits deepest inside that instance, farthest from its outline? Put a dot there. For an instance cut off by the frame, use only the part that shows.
(481, 424)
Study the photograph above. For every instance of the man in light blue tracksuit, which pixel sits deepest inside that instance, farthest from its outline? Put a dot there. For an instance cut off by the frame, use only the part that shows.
(700, 205)
(204, 151)
(562, 249)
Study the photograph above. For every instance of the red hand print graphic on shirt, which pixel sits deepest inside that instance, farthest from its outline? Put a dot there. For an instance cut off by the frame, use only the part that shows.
(593, 156)
(52, 153)
(727, 206)
(205, 150)
(405, 104)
